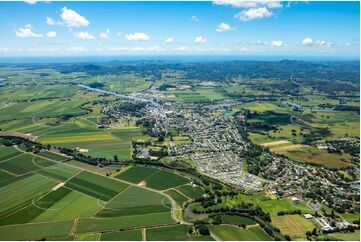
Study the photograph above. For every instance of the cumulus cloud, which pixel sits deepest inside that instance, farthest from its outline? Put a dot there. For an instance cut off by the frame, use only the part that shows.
(51, 34)
(105, 35)
(223, 27)
(253, 13)
(26, 32)
(248, 4)
(200, 40)
(73, 19)
(255, 42)
(307, 41)
(84, 35)
(194, 18)
(277, 43)
(4, 49)
(169, 40)
(137, 37)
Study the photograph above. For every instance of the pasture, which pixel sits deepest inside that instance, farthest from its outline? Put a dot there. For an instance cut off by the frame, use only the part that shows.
(231, 232)
(96, 185)
(295, 226)
(134, 201)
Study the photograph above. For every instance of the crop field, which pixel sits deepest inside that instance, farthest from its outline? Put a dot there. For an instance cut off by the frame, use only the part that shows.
(175, 233)
(20, 193)
(164, 179)
(87, 237)
(196, 95)
(52, 156)
(191, 191)
(25, 163)
(237, 220)
(35, 231)
(126, 222)
(8, 152)
(231, 232)
(295, 226)
(137, 174)
(96, 185)
(179, 198)
(60, 172)
(275, 206)
(132, 202)
(130, 235)
(5, 176)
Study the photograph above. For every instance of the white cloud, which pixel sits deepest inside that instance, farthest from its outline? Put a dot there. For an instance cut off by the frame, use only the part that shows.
(223, 27)
(169, 40)
(84, 35)
(26, 32)
(253, 13)
(73, 19)
(307, 41)
(4, 49)
(256, 42)
(105, 35)
(30, 1)
(52, 22)
(277, 43)
(200, 40)
(323, 43)
(118, 48)
(76, 49)
(137, 37)
(51, 34)
(248, 4)
(194, 18)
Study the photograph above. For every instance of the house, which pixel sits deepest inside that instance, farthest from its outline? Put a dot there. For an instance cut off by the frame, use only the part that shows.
(308, 216)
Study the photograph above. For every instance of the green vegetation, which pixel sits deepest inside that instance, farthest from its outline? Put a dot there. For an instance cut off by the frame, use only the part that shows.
(60, 172)
(135, 201)
(96, 185)
(137, 174)
(191, 191)
(230, 232)
(130, 235)
(164, 179)
(179, 198)
(8, 152)
(52, 156)
(176, 232)
(25, 163)
(237, 220)
(295, 226)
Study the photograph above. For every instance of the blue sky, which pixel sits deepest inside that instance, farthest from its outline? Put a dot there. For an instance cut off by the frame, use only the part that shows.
(221, 27)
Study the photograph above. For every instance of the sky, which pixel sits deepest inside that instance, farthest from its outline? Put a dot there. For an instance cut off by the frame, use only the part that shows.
(220, 27)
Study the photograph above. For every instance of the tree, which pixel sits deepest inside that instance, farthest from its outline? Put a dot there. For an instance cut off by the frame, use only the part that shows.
(116, 158)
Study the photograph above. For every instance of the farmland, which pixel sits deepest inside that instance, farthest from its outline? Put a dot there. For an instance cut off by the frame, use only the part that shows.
(228, 232)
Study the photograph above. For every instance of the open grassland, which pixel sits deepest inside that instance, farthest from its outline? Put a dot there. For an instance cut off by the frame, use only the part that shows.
(277, 205)
(345, 236)
(191, 191)
(350, 217)
(71, 206)
(59, 172)
(164, 179)
(20, 193)
(231, 233)
(313, 155)
(126, 222)
(237, 220)
(137, 174)
(175, 233)
(87, 237)
(134, 201)
(8, 152)
(179, 198)
(295, 226)
(35, 231)
(96, 185)
(130, 235)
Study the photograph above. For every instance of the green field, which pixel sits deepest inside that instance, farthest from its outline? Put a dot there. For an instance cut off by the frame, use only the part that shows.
(164, 179)
(5, 176)
(230, 232)
(36, 231)
(60, 172)
(8, 152)
(277, 205)
(87, 237)
(176, 232)
(130, 235)
(134, 201)
(237, 220)
(179, 198)
(345, 236)
(295, 226)
(96, 185)
(137, 174)
(191, 191)
(52, 156)
(126, 222)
